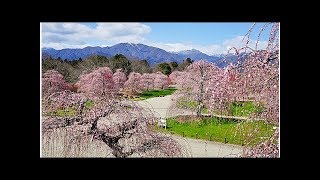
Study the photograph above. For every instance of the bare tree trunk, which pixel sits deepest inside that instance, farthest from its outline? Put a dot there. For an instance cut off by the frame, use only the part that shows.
(199, 109)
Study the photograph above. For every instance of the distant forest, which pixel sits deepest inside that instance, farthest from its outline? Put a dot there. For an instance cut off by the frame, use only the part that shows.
(72, 69)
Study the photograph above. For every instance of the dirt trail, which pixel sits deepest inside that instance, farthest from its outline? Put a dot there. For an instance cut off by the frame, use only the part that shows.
(161, 106)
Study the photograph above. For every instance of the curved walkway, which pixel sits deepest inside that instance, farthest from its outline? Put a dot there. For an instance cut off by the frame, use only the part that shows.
(192, 147)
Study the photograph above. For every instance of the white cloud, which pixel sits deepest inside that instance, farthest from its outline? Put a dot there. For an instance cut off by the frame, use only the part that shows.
(64, 46)
(212, 48)
(70, 35)
(77, 35)
(239, 42)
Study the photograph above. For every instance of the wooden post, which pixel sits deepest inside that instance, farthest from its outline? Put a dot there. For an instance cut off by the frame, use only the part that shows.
(225, 140)
(182, 134)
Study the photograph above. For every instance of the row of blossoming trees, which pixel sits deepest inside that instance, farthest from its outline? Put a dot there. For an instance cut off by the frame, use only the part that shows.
(125, 128)
(218, 88)
(254, 79)
(101, 81)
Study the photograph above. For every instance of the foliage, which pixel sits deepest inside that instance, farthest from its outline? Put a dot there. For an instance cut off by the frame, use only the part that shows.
(173, 65)
(140, 66)
(185, 63)
(93, 62)
(188, 60)
(65, 68)
(163, 67)
(119, 61)
(49, 64)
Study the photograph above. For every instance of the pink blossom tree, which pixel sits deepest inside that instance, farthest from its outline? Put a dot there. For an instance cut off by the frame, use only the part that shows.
(174, 76)
(220, 94)
(265, 149)
(123, 126)
(53, 81)
(179, 79)
(225, 87)
(195, 82)
(133, 84)
(99, 81)
(260, 78)
(262, 82)
(161, 81)
(119, 78)
(62, 100)
(147, 80)
(257, 77)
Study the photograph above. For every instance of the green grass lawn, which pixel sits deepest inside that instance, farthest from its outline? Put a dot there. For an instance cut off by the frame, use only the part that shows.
(187, 104)
(238, 108)
(245, 108)
(155, 93)
(241, 133)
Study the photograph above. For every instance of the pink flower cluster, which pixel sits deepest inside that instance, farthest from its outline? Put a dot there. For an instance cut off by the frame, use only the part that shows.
(53, 81)
(99, 81)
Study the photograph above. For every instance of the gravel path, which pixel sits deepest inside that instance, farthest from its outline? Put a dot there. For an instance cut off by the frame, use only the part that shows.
(161, 106)
(202, 148)
(193, 147)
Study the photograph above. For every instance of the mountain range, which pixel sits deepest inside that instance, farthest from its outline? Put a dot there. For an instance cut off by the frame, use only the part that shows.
(153, 55)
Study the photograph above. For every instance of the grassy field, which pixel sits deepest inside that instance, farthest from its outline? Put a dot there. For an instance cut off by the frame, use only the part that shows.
(245, 108)
(155, 93)
(238, 108)
(192, 105)
(233, 132)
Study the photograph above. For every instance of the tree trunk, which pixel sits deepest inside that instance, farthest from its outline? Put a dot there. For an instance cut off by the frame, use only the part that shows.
(199, 109)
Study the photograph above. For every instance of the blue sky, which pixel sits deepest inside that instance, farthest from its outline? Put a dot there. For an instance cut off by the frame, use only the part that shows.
(210, 38)
(198, 33)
